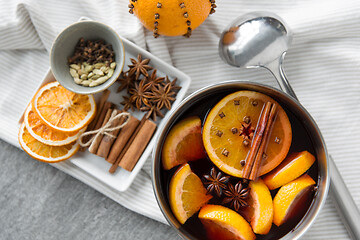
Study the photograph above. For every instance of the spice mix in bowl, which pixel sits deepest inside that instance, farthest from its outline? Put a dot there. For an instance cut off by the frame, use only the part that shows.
(87, 57)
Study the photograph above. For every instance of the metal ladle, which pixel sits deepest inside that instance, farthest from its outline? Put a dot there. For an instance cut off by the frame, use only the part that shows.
(259, 39)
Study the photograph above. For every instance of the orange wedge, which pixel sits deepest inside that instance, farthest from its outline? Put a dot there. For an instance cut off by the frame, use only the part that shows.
(41, 132)
(262, 207)
(63, 110)
(223, 223)
(186, 193)
(183, 143)
(232, 121)
(287, 197)
(292, 167)
(43, 152)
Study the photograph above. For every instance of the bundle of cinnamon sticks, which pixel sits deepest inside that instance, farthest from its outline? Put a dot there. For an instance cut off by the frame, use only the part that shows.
(121, 147)
(262, 133)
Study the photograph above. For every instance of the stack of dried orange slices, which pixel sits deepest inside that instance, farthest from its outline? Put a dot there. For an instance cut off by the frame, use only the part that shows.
(53, 122)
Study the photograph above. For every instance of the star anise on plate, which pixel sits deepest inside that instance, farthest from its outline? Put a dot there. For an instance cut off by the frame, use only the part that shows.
(153, 80)
(236, 196)
(128, 104)
(174, 87)
(246, 131)
(139, 67)
(215, 182)
(140, 94)
(152, 111)
(126, 81)
(163, 96)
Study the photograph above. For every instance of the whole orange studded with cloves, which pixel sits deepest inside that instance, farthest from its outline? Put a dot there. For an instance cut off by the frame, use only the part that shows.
(172, 17)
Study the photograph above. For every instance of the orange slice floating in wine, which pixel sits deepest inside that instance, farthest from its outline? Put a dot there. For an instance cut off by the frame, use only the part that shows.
(260, 210)
(186, 193)
(289, 196)
(222, 223)
(229, 129)
(183, 143)
(291, 168)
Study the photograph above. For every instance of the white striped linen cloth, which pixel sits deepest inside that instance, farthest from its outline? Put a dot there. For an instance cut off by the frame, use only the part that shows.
(322, 65)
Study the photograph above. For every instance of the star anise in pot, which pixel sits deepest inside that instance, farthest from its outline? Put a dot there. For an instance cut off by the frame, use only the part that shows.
(139, 67)
(163, 96)
(215, 182)
(236, 195)
(140, 94)
(246, 131)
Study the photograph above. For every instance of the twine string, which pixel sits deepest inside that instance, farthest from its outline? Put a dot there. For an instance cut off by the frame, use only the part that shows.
(104, 130)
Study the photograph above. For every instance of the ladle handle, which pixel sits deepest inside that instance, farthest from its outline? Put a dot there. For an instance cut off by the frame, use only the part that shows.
(277, 70)
(339, 192)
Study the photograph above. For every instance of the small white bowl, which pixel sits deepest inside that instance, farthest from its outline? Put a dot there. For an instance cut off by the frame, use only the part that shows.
(64, 47)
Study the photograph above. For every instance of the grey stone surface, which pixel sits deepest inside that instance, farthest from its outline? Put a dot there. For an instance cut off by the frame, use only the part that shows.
(37, 201)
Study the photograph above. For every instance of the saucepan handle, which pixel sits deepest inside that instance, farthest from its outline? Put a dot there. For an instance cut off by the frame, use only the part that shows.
(344, 202)
(339, 192)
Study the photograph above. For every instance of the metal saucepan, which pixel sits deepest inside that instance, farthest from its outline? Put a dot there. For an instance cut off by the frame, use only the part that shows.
(286, 102)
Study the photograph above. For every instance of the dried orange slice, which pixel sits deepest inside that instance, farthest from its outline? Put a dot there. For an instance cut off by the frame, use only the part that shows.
(223, 223)
(62, 109)
(43, 152)
(43, 133)
(291, 168)
(185, 135)
(289, 196)
(186, 193)
(229, 129)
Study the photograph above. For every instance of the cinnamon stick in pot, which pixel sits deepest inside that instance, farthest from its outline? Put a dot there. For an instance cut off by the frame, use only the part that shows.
(122, 139)
(263, 128)
(259, 157)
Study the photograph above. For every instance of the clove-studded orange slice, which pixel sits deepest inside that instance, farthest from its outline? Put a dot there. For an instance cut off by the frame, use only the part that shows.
(229, 129)
(62, 109)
